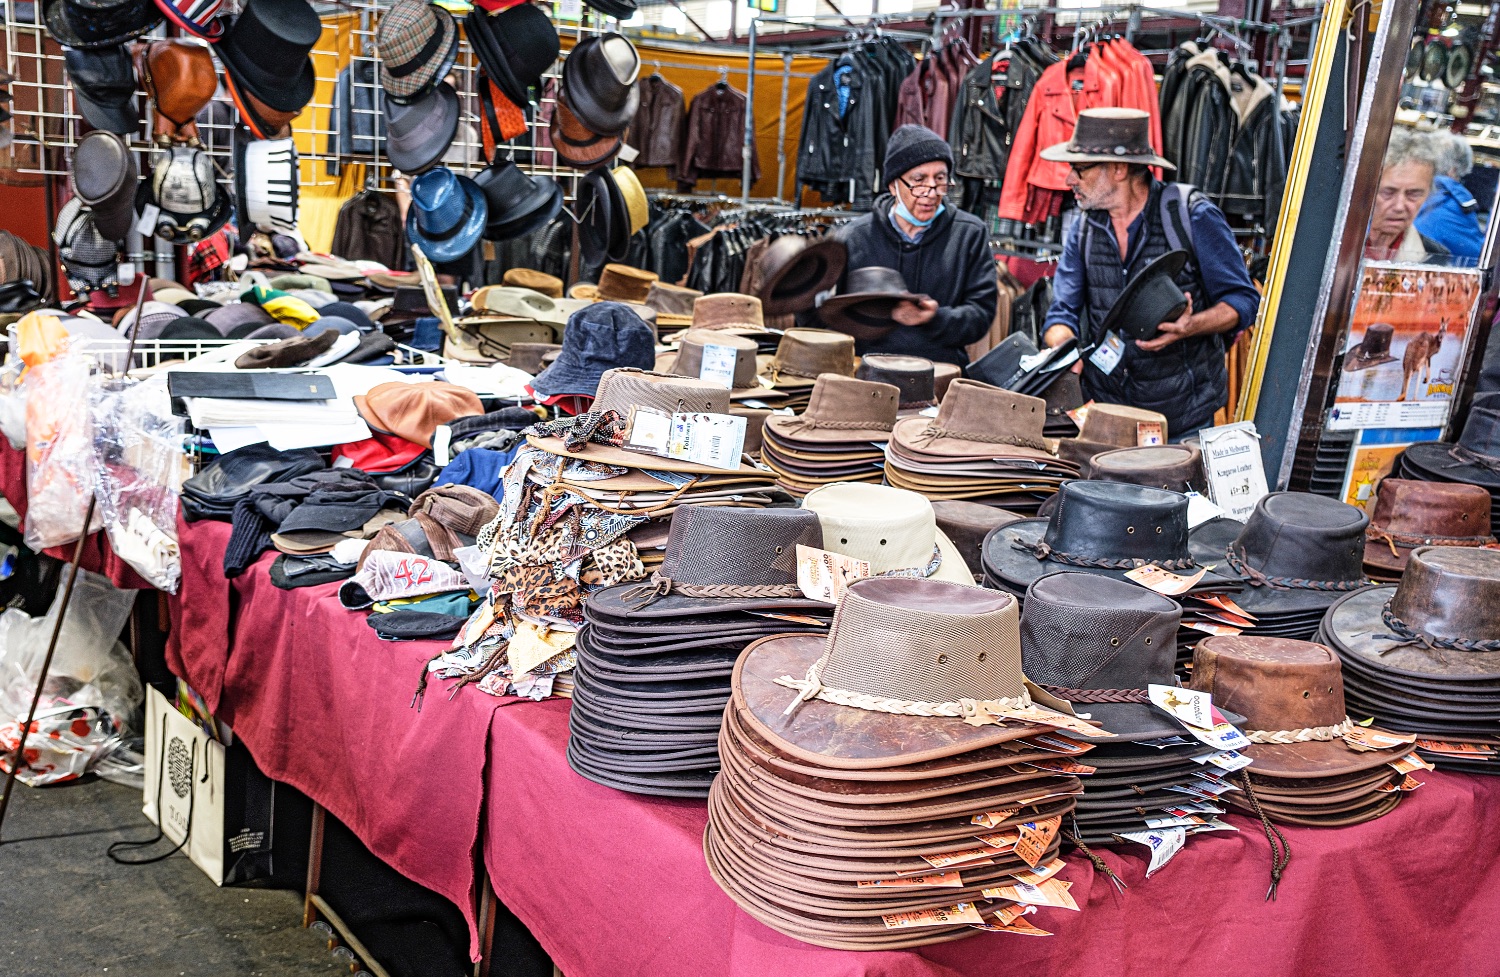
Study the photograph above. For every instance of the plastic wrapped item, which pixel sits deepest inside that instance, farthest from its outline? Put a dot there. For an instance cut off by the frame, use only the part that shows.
(140, 465)
(13, 404)
(59, 451)
(64, 742)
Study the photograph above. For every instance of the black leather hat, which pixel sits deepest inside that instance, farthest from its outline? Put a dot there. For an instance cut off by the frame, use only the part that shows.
(104, 87)
(600, 224)
(912, 375)
(1149, 299)
(1475, 459)
(797, 270)
(518, 203)
(515, 47)
(1016, 364)
(863, 307)
(265, 52)
(104, 176)
(599, 83)
(78, 24)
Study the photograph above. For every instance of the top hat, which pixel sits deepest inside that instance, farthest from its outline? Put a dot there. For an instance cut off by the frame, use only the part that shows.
(104, 87)
(1149, 299)
(1374, 348)
(105, 178)
(79, 24)
(912, 375)
(979, 422)
(418, 43)
(1109, 135)
(599, 78)
(803, 355)
(265, 52)
(447, 215)
(1408, 514)
(515, 46)
(863, 307)
(797, 269)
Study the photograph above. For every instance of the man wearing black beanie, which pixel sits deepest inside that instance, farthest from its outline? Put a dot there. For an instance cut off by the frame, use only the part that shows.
(941, 252)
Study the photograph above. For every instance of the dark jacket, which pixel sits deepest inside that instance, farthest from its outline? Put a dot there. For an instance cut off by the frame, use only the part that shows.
(951, 262)
(656, 129)
(1256, 175)
(836, 153)
(714, 137)
(357, 102)
(1210, 129)
(369, 228)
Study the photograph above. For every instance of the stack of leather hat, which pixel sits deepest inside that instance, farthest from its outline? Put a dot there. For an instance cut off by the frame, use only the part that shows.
(821, 798)
(1292, 559)
(1423, 656)
(1097, 644)
(1408, 514)
(1102, 528)
(985, 444)
(698, 348)
(1303, 770)
(836, 439)
(914, 376)
(1016, 364)
(803, 355)
(1109, 426)
(1473, 460)
(1177, 467)
(654, 658)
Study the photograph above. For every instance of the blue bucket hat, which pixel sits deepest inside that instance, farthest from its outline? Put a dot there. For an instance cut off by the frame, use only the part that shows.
(448, 214)
(599, 337)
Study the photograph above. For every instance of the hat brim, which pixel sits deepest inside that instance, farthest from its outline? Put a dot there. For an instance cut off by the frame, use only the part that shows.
(1060, 153)
(610, 455)
(1169, 265)
(795, 429)
(778, 296)
(463, 240)
(523, 223)
(1353, 364)
(420, 156)
(1434, 460)
(63, 32)
(1314, 759)
(1018, 568)
(1354, 625)
(864, 315)
(908, 429)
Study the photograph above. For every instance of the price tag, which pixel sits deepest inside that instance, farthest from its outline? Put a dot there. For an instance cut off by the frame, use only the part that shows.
(936, 880)
(627, 153)
(1042, 873)
(1108, 355)
(1164, 843)
(1148, 434)
(125, 272)
(1361, 738)
(1200, 510)
(1035, 837)
(1164, 582)
(1188, 706)
(147, 224)
(948, 859)
(1053, 892)
(715, 440)
(963, 912)
(718, 365)
(825, 576)
(648, 430)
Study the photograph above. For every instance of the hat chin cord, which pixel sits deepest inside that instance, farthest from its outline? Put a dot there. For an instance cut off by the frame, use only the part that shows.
(1281, 856)
(812, 687)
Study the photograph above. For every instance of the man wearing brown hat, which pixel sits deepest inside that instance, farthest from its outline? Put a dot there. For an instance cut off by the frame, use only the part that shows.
(1130, 219)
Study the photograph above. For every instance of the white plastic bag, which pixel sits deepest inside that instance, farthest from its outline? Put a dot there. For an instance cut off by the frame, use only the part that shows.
(140, 466)
(59, 451)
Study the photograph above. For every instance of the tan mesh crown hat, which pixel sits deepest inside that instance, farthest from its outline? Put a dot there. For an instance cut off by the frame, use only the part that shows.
(893, 530)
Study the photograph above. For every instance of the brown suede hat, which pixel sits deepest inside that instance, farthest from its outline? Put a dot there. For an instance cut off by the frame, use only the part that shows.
(728, 311)
(537, 281)
(803, 355)
(414, 410)
(976, 420)
(1109, 426)
(622, 283)
(1176, 467)
(1408, 514)
(672, 299)
(842, 409)
(688, 360)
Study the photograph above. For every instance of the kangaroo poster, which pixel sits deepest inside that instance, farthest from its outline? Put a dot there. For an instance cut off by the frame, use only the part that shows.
(1406, 345)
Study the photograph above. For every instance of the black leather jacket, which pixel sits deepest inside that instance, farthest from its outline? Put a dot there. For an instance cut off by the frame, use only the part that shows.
(836, 156)
(1210, 131)
(1256, 175)
(983, 126)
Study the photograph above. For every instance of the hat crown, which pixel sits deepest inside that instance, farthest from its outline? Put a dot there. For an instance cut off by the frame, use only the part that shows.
(1118, 425)
(1300, 536)
(712, 545)
(888, 528)
(1481, 434)
(101, 164)
(866, 402)
(1112, 131)
(973, 408)
(874, 278)
(439, 200)
(727, 309)
(1450, 592)
(1416, 508)
(924, 640)
(1086, 631)
(622, 283)
(1174, 467)
(689, 362)
(912, 375)
(672, 299)
(1110, 521)
(1275, 683)
(813, 352)
(624, 388)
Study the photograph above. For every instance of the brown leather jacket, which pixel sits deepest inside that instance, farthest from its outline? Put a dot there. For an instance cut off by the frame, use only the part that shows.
(715, 133)
(656, 130)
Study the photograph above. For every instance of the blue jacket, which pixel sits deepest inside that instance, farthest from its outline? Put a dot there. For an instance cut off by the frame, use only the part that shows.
(1451, 217)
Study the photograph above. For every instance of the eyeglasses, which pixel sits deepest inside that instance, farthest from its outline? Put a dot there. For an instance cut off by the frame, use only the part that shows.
(939, 187)
(1080, 169)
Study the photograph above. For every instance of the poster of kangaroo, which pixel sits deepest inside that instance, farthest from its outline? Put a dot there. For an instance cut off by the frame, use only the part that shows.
(1406, 345)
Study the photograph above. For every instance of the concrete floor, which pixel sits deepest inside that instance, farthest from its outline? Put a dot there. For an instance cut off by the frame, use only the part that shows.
(66, 909)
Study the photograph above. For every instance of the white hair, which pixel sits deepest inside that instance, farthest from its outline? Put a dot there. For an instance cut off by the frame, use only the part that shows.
(1454, 156)
(1410, 146)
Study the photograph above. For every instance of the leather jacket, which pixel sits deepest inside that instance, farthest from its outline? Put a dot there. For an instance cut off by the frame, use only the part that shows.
(715, 136)
(1256, 175)
(836, 155)
(656, 129)
(984, 126)
(1210, 127)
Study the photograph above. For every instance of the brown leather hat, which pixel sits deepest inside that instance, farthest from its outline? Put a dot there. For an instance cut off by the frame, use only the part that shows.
(1291, 694)
(179, 77)
(535, 280)
(672, 299)
(913, 375)
(1177, 467)
(1408, 514)
(796, 269)
(414, 410)
(803, 355)
(622, 283)
(1109, 135)
(688, 360)
(976, 420)
(968, 523)
(575, 145)
(841, 409)
(944, 374)
(528, 357)
(728, 310)
(1108, 426)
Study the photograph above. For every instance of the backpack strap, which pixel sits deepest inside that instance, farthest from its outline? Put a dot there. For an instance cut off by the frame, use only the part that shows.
(1175, 204)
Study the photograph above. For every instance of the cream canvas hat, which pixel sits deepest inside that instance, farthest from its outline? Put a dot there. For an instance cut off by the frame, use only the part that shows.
(893, 530)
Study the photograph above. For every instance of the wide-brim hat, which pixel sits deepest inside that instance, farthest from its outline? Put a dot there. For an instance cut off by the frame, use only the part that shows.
(893, 530)
(420, 132)
(623, 283)
(1149, 299)
(1373, 349)
(418, 43)
(79, 26)
(518, 202)
(841, 410)
(1016, 364)
(670, 299)
(1408, 514)
(863, 309)
(597, 216)
(797, 269)
(803, 355)
(104, 87)
(1109, 135)
(265, 39)
(447, 214)
(599, 78)
(977, 422)
(1175, 467)
(105, 177)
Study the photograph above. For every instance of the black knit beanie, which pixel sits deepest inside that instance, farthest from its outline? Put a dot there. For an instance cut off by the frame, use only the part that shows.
(910, 146)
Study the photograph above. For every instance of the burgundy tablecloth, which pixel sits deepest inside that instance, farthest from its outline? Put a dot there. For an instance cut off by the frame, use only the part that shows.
(97, 555)
(324, 705)
(614, 885)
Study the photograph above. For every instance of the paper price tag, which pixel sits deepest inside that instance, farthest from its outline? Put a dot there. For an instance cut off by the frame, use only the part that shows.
(939, 880)
(648, 430)
(990, 819)
(1410, 764)
(1201, 510)
(1109, 353)
(1020, 927)
(1035, 837)
(1148, 434)
(1230, 761)
(963, 912)
(1209, 627)
(125, 272)
(948, 859)
(715, 440)
(825, 576)
(1079, 414)
(1002, 841)
(1222, 603)
(1164, 843)
(1361, 738)
(718, 365)
(1065, 766)
(1410, 783)
(1165, 582)
(1472, 751)
(1053, 892)
(1056, 744)
(1188, 706)
(1041, 873)
(1040, 715)
(147, 223)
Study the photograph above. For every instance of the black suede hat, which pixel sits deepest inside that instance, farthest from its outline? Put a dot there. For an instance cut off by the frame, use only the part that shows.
(96, 25)
(514, 46)
(265, 52)
(104, 87)
(1149, 299)
(599, 83)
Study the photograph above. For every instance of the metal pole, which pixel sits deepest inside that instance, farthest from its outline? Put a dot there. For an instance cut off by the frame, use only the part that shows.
(749, 147)
(786, 81)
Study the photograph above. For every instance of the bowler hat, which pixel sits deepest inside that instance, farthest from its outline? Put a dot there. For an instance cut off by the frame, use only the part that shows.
(265, 52)
(104, 87)
(599, 83)
(1109, 135)
(447, 214)
(1149, 299)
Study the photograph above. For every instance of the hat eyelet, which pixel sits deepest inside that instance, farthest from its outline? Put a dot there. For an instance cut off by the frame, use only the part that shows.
(1130, 530)
(1464, 517)
(882, 542)
(1148, 642)
(982, 655)
(843, 542)
(1330, 690)
(942, 659)
(1114, 642)
(1158, 530)
(1306, 695)
(779, 550)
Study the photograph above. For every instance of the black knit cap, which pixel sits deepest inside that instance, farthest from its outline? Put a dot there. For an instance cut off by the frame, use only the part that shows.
(910, 146)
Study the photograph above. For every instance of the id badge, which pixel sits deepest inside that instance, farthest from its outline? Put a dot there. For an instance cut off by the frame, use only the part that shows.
(1107, 356)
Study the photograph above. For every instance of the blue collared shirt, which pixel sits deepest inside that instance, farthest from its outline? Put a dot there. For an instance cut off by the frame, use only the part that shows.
(908, 238)
(1219, 263)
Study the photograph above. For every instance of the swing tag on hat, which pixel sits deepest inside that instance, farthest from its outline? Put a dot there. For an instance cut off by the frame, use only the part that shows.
(1108, 355)
(1053, 892)
(718, 365)
(1361, 739)
(1198, 715)
(825, 576)
(1165, 582)
(932, 880)
(1036, 836)
(963, 912)
(1163, 842)
(1148, 434)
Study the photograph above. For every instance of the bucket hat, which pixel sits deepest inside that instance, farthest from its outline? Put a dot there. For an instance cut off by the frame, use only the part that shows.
(1174, 467)
(576, 144)
(912, 375)
(266, 51)
(599, 86)
(76, 24)
(447, 216)
(104, 177)
(418, 43)
(1109, 135)
(893, 530)
(197, 17)
(420, 132)
(515, 46)
(104, 87)
(797, 269)
(1408, 514)
(1374, 348)
(1109, 426)
(977, 421)
(803, 355)
(863, 307)
(518, 203)
(598, 338)
(414, 410)
(1149, 299)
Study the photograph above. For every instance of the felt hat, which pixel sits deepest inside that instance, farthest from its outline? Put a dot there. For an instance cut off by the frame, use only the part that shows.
(76, 24)
(797, 269)
(515, 46)
(536, 281)
(599, 83)
(266, 51)
(414, 410)
(863, 307)
(104, 87)
(1149, 299)
(447, 215)
(419, 133)
(418, 43)
(104, 176)
(1109, 135)
(622, 283)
